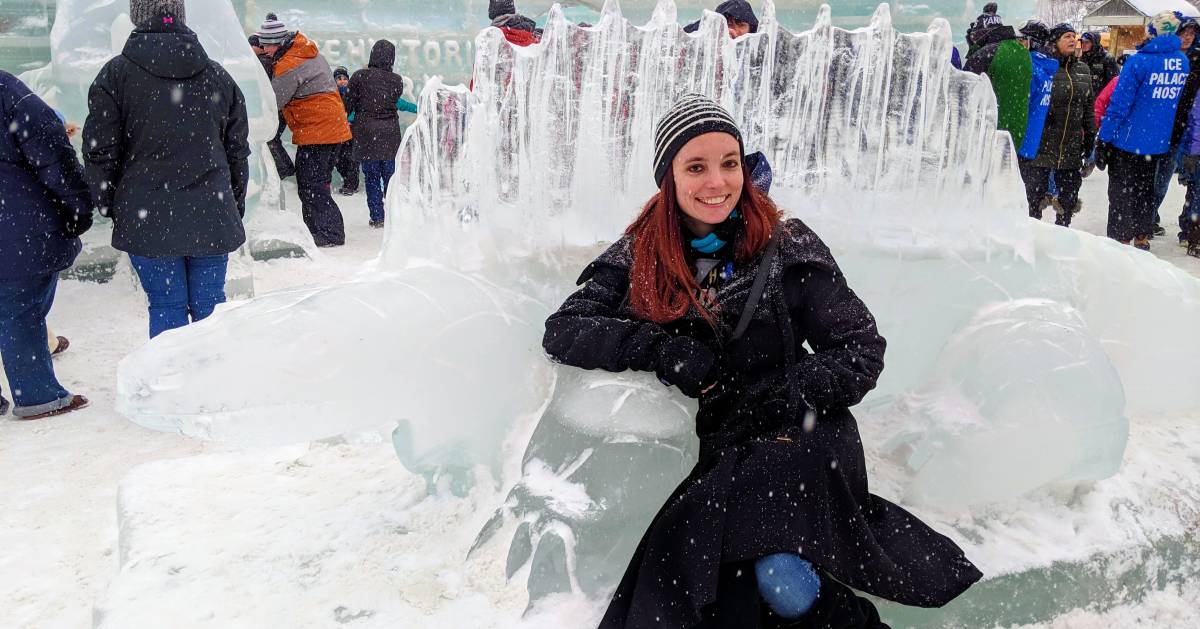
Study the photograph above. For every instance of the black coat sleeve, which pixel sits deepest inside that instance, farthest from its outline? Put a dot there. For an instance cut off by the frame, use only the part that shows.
(979, 62)
(103, 151)
(237, 144)
(847, 355)
(47, 151)
(588, 332)
(353, 94)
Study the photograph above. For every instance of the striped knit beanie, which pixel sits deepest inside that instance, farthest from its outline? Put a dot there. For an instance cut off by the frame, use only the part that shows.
(691, 116)
(272, 31)
(142, 11)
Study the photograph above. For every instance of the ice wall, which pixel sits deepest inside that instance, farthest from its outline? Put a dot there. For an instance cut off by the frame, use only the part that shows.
(555, 141)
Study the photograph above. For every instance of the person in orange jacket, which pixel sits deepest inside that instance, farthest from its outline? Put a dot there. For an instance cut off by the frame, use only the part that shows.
(308, 96)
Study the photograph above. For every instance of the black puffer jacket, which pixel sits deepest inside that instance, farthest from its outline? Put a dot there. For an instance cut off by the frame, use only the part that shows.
(165, 147)
(1070, 130)
(768, 480)
(374, 92)
(1102, 67)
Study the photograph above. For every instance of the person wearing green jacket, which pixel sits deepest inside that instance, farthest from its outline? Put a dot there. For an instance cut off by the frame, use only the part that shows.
(1007, 65)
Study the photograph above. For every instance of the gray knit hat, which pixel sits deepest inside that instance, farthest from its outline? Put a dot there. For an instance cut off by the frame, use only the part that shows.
(690, 116)
(272, 31)
(142, 11)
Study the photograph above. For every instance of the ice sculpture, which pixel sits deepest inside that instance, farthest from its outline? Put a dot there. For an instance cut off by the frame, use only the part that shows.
(506, 191)
(86, 34)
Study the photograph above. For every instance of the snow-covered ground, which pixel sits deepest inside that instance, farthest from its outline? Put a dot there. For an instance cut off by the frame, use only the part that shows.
(332, 533)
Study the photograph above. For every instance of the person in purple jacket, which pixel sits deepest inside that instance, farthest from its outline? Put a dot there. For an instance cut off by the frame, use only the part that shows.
(44, 208)
(1190, 177)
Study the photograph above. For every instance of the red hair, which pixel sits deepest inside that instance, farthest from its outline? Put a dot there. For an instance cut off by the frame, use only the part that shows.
(661, 284)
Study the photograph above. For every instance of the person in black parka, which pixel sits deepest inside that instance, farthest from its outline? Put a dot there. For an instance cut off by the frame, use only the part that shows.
(711, 291)
(374, 97)
(1100, 63)
(1068, 136)
(166, 149)
(44, 208)
(739, 16)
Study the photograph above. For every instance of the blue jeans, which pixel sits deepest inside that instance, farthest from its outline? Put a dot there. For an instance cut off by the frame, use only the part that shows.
(376, 175)
(788, 584)
(24, 304)
(181, 286)
(1163, 176)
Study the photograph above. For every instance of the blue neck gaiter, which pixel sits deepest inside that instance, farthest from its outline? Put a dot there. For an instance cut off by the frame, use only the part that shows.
(713, 242)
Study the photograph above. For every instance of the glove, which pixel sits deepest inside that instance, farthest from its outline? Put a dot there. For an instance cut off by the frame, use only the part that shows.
(1101, 155)
(688, 364)
(75, 224)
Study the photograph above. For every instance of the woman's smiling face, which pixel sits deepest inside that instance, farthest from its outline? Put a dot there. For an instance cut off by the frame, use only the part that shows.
(708, 180)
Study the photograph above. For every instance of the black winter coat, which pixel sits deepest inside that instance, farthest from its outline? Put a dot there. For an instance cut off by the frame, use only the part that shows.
(781, 466)
(1102, 67)
(374, 92)
(1188, 97)
(165, 146)
(1070, 130)
(44, 202)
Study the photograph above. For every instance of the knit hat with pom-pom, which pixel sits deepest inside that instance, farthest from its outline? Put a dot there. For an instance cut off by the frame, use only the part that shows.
(272, 31)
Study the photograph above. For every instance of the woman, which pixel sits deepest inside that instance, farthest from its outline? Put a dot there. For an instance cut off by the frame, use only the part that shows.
(1069, 133)
(717, 295)
(373, 100)
(44, 207)
(165, 144)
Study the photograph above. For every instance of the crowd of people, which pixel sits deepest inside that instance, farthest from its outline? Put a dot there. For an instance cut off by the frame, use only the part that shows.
(340, 122)
(1071, 107)
(710, 288)
(166, 157)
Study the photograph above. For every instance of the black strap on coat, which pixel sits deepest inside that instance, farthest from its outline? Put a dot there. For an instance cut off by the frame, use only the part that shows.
(756, 290)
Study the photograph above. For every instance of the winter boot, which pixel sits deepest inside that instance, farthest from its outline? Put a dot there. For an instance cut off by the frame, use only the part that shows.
(61, 347)
(1192, 250)
(1057, 205)
(77, 402)
(1046, 202)
(1062, 217)
(1142, 242)
(3, 406)
(376, 224)
(1158, 231)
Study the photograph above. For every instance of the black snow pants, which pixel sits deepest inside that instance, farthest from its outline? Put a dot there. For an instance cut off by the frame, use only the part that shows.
(314, 175)
(283, 161)
(1037, 183)
(347, 167)
(1131, 197)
